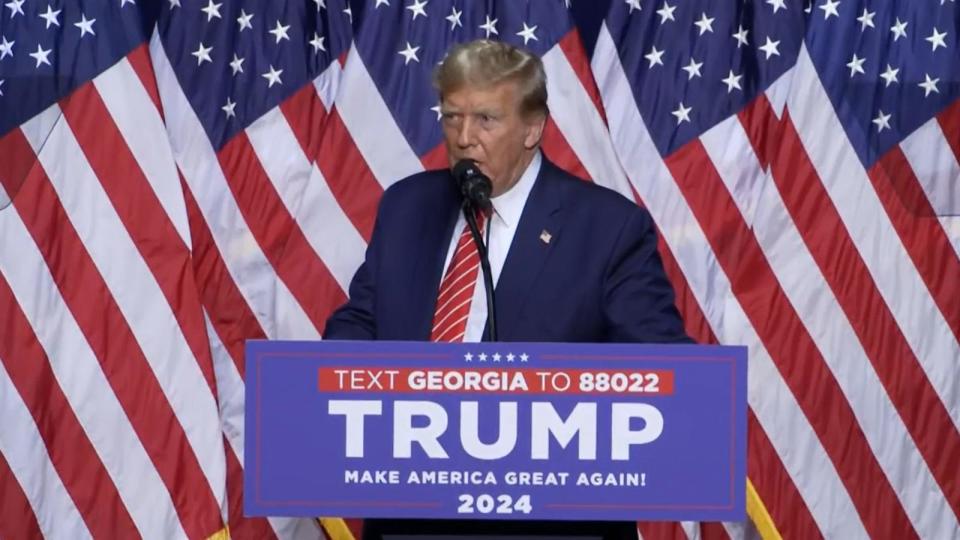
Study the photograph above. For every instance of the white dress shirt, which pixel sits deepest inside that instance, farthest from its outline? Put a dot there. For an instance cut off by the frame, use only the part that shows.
(507, 209)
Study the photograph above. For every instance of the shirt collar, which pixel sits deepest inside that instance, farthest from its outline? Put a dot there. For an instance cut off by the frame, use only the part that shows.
(508, 206)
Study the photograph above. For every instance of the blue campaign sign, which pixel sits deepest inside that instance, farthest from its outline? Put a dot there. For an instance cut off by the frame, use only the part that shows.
(543, 431)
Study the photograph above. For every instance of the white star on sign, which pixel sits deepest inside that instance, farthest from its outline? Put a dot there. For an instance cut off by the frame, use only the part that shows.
(6, 48)
(244, 20)
(777, 5)
(228, 108)
(41, 56)
(682, 113)
(692, 69)
(417, 8)
(770, 47)
(936, 39)
(528, 33)
(410, 53)
(733, 81)
(280, 32)
(899, 29)
(654, 56)
(317, 43)
(856, 65)
(85, 26)
(202, 53)
(16, 7)
(482, 357)
(890, 75)
(51, 16)
(666, 12)
(705, 24)
(490, 27)
(212, 10)
(273, 76)
(510, 357)
(236, 64)
(454, 18)
(866, 19)
(741, 36)
(882, 121)
(468, 357)
(830, 8)
(496, 357)
(523, 357)
(634, 5)
(929, 85)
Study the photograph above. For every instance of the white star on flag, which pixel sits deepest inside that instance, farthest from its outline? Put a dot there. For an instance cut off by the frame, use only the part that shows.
(490, 27)
(236, 64)
(244, 20)
(770, 48)
(682, 113)
(203, 54)
(856, 65)
(228, 108)
(528, 33)
(41, 56)
(417, 8)
(85, 26)
(705, 24)
(51, 16)
(212, 10)
(929, 85)
(666, 12)
(409, 53)
(890, 75)
(882, 121)
(273, 76)
(732, 81)
(937, 39)
(280, 32)
(654, 56)
(454, 18)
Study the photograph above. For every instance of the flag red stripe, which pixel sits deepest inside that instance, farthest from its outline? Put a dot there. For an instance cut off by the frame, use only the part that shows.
(281, 239)
(120, 356)
(558, 150)
(798, 359)
(229, 312)
(17, 519)
(776, 489)
(922, 235)
(949, 120)
(143, 216)
(18, 159)
(924, 414)
(139, 59)
(242, 528)
(661, 530)
(713, 531)
(573, 49)
(73, 456)
(762, 128)
(435, 158)
(307, 118)
(348, 176)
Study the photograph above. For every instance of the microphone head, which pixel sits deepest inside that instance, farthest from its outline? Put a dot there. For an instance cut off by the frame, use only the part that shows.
(474, 185)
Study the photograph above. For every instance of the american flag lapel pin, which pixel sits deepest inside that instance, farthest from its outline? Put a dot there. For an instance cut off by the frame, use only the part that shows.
(545, 236)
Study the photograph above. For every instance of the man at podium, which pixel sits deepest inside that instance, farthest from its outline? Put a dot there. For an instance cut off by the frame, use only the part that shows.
(569, 260)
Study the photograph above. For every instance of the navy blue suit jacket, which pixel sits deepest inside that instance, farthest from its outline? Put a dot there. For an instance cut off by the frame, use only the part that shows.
(598, 279)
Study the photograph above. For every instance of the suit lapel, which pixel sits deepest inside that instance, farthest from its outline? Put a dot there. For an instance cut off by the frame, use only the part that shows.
(435, 234)
(536, 235)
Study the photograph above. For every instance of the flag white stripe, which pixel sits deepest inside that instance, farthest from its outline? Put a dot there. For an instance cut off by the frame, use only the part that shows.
(577, 117)
(83, 382)
(935, 167)
(248, 267)
(824, 319)
(133, 286)
(371, 125)
(24, 450)
(869, 227)
(328, 83)
(307, 197)
(139, 121)
(803, 457)
(230, 392)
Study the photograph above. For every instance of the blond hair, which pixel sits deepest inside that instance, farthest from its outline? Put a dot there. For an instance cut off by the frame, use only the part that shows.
(484, 63)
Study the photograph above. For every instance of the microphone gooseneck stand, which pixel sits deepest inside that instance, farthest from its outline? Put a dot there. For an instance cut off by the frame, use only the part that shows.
(470, 213)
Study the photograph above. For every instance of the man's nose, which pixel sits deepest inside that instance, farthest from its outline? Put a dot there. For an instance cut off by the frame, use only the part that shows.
(466, 136)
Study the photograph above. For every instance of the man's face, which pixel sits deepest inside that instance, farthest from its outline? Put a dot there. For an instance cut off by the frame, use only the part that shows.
(485, 125)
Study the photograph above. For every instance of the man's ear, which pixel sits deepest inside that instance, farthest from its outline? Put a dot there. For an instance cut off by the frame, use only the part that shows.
(534, 131)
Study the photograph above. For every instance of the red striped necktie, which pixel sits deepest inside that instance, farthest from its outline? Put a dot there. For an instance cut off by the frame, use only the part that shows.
(456, 289)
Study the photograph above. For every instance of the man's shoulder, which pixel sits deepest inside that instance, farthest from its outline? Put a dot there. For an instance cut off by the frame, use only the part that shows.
(424, 183)
(590, 196)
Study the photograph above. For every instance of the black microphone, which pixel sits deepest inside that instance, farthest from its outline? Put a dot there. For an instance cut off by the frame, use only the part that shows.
(474, 185)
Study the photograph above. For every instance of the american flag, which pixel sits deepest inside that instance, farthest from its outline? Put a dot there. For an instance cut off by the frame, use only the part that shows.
(801, 161)
(188, 174)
